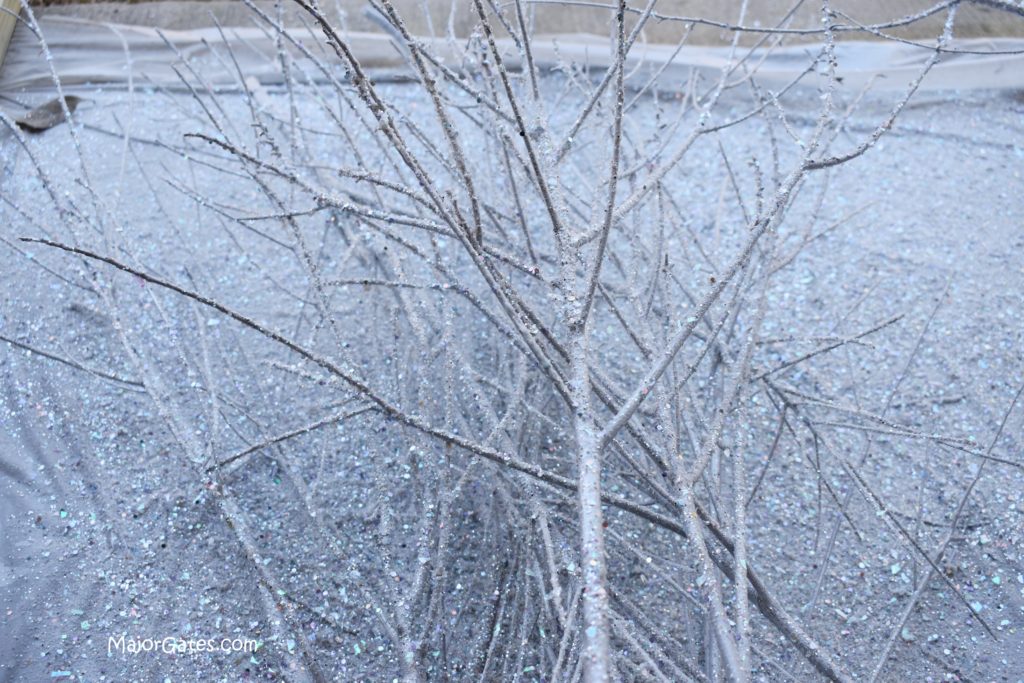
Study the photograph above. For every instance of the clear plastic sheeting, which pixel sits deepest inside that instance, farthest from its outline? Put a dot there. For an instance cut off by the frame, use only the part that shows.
(86, 52)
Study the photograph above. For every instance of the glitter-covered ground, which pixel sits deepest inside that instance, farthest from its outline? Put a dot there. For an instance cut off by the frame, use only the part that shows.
(107, 529)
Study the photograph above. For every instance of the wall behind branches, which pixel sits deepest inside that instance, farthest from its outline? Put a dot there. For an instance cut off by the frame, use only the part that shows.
(974, 20)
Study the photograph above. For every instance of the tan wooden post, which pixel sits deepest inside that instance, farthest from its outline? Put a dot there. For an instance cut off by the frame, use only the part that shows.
(7, 23)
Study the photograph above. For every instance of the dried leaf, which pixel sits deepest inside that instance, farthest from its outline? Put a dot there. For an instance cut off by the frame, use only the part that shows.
(48, 115)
